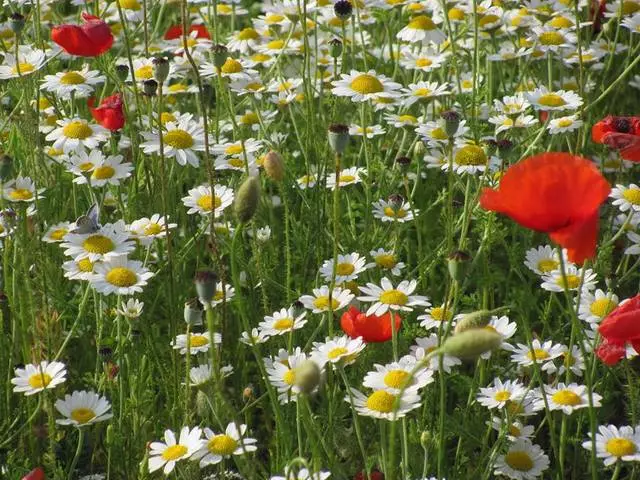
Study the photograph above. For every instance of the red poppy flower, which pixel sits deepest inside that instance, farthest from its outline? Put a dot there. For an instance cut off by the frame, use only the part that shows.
(597, 13)
(109, 114)
(35, 474)
(623, 323)
(371, 328)
(556, 193)
(619, 133)
(175, 31)
(374, 475)
(610, 353)
(91, 39)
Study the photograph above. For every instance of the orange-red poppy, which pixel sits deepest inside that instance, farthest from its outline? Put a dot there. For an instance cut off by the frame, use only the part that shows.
(371, 328)
(91, 39)
(556, 193)
(35, 474)
(175, 31)
(109, 114)
(619, 133)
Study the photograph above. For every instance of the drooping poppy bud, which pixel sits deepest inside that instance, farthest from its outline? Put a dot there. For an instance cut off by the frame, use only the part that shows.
(110, 113)
(91, 39)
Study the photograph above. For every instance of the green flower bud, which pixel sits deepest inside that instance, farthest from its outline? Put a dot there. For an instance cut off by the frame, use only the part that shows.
(425, 439)
(16, 22)
(122, 71)
(451, 122)
(419, 149)
(274, 166)
(477, 319)
(458, 263)
(220, 55)
(202, 404)
(335, 48)
(205, 281)
(307, 376)
(338, 137)
(247, 199)
(193, 312)
(160, 68)
(471, 343)
(149, 88)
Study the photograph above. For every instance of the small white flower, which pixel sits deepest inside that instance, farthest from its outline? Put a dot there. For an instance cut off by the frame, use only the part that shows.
(83, 408)
(387, 297)
(616, 444)
(35, 378)
(523, 461)
(166, 454)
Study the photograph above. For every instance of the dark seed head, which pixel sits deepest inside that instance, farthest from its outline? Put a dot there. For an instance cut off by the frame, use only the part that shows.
(343, 8)
(622, 124)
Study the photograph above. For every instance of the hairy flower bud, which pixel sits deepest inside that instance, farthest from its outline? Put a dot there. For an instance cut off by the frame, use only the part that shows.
(247, 199)
(274, 166)
(471, 343)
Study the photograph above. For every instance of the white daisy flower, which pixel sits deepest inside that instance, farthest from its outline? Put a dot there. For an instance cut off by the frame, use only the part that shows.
(564, 124)
(547, 38)
(83, 408)
(434, 316)
(307, 181)
(387, 297)
(76, 134)
(523, 461)
(391, 212)
(500, 394)
(361, 87)
(627, 197)
(281, 372)
(181, 141)
(635, 248)
(302, 474)
(426, 345)
(541, 353)
(397, 375)
(435, 132)
(200, 375)
(255, 337)
(504, 122)
(200, 200)
(505, 328)
(569, 398)
(78, 269)
(222, 295)
(319, 301)
(386, 260)
(196, 343)
(349, 267)
(383, 405)
(56, 233)
(632, 23)
(166, 454)
(146, 230)
(112, 240)
(625, 8)
(370, 131)
(422, 29)
(34, 378)
(401, 121)
(348, 176)
(544, 259)
(615, 444)
(427, 60)
(545, 100)
(555, 281)
(109, 170)
(76, 83)
(573, 361)
(594, 307)
(29, 61)
(130, 309)
(512, 105)
(343, 350)
(515, 429)
(424, 92)
(22, 189)
(244, 41)
(282, 322)
(218, 446)
(120, 275)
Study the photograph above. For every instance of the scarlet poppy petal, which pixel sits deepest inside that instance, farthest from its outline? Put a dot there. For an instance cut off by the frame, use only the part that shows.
(71, 38)
(579, 238)
(346, 322)
(632, 152)
(610, 353)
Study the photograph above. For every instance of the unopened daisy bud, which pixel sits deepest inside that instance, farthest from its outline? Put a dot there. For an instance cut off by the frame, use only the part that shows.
(202, 404)
(335, 48)
(451, 122)
(343, 9)
(247, 199)
(160, 68)
(477, 319)
(193, 312)
(472, 343)
(205, 281)
(338, 137)
(16, 22)
(6, 167)
(457, 263)
(122, 71)
(273, 166)
(220, 55)
(150, 87)
(109, 437)
(248, 393)
(307, 376)
(425, 439)
(419, 149)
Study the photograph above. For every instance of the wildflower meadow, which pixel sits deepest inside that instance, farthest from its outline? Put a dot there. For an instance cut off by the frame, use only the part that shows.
(328, 239)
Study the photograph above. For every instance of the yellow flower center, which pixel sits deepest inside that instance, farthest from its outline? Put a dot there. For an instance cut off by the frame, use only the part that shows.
(72, 78)
(98, 244)
(289, 377)
(366, 84)
(396, 378)
(514, 431)
(439, 134)
(273, 18)
(390, 212)
(6, 34)
(408, 119)
(258, 57)
(551, 38)
(121, 277)
(85, 265)
(144, 73)
(322, 302)
(130, 4)
(518, 460)
(231, 65)
(250, 118)
(345, 268)
(222, 445)
(632, 195)
(560, 22)
(538, 354)
(565, 122)
(381, 401)
(24, 68)
(422, 22)
(174, 452)
(424, 62)
(177, 87)
(630, 7)
(43, 103)
(283, 324)
(82, 415)
(236, 162)
(21, 194)
(152, 229)
(620, 447)
(394, 297)
(77, 129)
(336, 353)
(438, 314)
(547, 265)
(386, 260)
(198, 341)
(235, 149)
(248, 34)
(224, 9)
(551, 100)
(178, 138)
(208, 203)
(488, 20)
(275, 44)
(39, 380)
(104, 172)
(502, 396)
(167, 117)
(422, 92)
(455, 14)
(346, 178)
(566, 397)
(58, 234)
(569, 281)
(603, 307)
(471, 155)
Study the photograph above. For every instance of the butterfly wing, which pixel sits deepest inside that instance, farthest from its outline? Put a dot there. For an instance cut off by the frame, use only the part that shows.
(88, 223)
